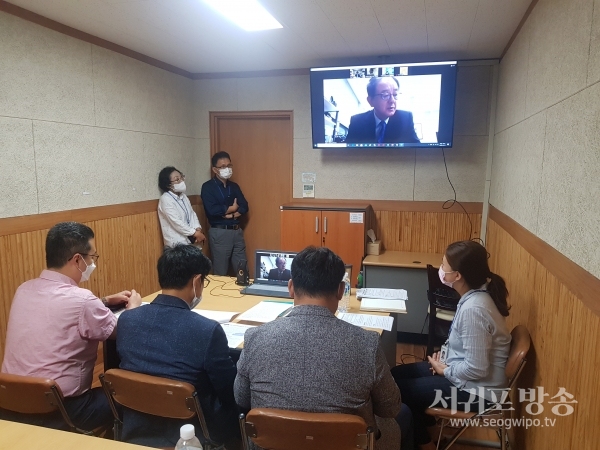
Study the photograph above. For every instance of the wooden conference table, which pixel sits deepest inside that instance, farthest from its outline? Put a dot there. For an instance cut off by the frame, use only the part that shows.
(222, 294)
(15, 435)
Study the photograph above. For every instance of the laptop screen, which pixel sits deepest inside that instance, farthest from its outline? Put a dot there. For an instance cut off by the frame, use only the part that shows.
(273, 267)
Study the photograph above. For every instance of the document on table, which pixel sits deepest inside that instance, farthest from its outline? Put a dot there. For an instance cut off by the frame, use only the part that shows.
(383, 305)
(235, 333)
(388, 294)
(368, 320)
(219, 316)
(265, 311)
(120, 311)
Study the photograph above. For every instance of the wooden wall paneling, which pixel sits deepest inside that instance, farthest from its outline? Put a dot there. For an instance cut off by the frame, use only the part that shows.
(414, 231)
(564, 352)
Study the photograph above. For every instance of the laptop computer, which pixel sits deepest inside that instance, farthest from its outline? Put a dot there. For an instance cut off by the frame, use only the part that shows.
(272, 271)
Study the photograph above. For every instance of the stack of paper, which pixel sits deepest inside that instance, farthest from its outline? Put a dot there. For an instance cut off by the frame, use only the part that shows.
(219, 316)
(388, 294)
(383, 300)
(235, 333)
(265, 311)
(368, 320)
(383, 305)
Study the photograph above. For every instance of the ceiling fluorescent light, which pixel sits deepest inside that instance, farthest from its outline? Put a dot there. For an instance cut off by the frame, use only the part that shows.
(247, 14)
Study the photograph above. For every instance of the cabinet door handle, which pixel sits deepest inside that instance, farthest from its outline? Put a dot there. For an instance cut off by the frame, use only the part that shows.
(325, 225)
(316, 224)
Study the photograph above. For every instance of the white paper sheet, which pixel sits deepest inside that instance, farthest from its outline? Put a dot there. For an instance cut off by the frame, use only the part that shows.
(235, 333)
(368, 320)
(265, 311)
(118, 312)
(219, 316)
(388, 294)
(383, 305)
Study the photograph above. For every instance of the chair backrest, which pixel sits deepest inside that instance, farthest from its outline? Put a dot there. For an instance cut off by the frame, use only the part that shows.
(519, 346)
(28, 395)
(151, 395)
(277, 429)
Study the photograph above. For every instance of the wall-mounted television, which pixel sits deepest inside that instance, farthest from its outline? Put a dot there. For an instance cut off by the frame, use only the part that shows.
(389, 105)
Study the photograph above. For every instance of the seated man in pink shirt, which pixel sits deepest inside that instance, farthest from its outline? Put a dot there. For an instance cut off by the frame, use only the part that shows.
(55, 326)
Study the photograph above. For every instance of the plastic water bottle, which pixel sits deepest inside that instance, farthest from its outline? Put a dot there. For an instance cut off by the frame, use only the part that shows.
(188, 440)
(344, 303)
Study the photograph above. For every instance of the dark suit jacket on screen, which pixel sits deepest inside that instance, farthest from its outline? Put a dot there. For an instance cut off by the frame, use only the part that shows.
(274, 275)
(312, 361)
(400, 128)
(166, 339)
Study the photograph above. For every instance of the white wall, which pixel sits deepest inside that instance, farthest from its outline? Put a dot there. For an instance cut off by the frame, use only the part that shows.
(78, 118)
(398, 174)
(546, 160)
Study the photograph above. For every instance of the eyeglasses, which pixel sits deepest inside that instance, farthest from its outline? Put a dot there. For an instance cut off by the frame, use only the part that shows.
(386, 96)
(95, 257)
(178, 179)
(206, 281)
(228, 166)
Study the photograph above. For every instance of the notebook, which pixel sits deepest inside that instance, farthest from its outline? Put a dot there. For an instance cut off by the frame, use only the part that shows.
(272, 271)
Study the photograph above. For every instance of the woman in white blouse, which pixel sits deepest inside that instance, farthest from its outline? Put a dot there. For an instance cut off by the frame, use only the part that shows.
(468, 372)
(178, 221)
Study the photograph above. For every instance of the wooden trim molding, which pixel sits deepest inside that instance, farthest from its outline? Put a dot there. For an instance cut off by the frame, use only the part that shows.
(518, 29)
(251, 74)
(23, 224)
(578, 280)
(86, 37)
(398, 205)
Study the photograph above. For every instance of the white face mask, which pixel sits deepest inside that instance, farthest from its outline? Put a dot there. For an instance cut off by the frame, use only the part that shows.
(85, 274)
(226, 173)
(196, 301)
(442, 274)
(179, 187)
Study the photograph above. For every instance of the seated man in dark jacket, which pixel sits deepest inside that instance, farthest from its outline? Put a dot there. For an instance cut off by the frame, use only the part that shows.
(166, 339)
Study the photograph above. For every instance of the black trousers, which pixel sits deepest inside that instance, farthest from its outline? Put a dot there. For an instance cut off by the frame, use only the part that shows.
(418, 391)
(89, 410)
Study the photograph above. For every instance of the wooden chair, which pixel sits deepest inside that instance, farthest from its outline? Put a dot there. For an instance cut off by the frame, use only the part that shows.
(442, 307)
(278, 429)
(153, 395)
(521, 341)
(33, 395)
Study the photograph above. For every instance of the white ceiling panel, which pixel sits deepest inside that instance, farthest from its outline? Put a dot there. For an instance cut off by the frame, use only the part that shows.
(190, 35)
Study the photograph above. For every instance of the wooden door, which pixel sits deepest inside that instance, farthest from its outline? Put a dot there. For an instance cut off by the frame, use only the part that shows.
(345, 238)
(260, 146)
(300, 228)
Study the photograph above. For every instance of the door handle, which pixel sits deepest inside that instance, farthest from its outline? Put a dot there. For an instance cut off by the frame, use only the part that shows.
(316, 224)
(325, 225)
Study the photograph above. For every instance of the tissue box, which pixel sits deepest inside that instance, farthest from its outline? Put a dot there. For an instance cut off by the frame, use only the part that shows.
(374, 248)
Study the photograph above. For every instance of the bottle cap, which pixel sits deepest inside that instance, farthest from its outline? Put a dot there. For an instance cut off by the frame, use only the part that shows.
(187, 432)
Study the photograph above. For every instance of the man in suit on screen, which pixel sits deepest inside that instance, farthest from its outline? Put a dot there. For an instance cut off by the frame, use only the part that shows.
(280, 273)
(384, 123)
(312, 361)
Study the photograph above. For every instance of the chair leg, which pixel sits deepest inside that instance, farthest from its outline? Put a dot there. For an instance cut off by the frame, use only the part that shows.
(441, 434)
(117, 430)
(503, 437)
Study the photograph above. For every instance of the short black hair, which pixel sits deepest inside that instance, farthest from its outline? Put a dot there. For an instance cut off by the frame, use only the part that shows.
(317, 271)
(164, 177)
(178, 265)
(217, 156)
(374, 82)
(64, 240)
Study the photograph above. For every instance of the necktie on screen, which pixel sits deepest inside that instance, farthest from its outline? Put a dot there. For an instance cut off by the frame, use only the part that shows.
(380, 132)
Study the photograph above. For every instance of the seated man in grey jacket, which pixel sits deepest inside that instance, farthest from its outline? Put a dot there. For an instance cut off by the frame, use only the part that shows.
(312, 361)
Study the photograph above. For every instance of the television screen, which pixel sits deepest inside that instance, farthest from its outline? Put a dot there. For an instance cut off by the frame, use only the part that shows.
(400, 105)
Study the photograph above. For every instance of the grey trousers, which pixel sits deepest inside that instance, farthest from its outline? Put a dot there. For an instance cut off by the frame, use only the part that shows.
(226, 245)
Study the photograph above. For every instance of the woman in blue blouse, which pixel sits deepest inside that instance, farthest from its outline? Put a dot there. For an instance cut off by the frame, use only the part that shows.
(469, 369)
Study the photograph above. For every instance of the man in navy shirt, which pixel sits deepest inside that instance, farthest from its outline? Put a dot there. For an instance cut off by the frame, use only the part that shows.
(166, 339)
(224, 204)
